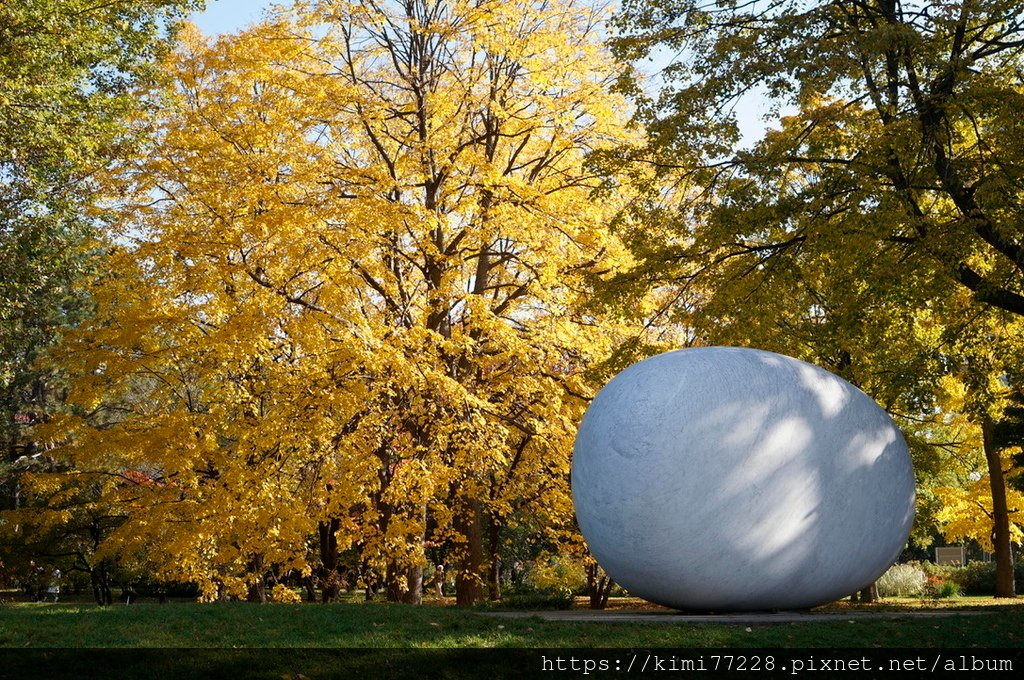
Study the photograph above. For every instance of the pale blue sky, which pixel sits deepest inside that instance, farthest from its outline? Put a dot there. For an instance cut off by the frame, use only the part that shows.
(227, 16)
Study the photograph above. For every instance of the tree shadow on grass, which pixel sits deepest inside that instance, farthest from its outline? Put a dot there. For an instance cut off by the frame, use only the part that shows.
(269, 664)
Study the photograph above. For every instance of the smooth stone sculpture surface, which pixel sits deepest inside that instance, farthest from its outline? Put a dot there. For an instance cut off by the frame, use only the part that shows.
(722, 478)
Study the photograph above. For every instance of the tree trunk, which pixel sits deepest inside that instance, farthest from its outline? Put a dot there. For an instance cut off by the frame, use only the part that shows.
(414, 574)
(310, 583)
(468, 585)
(257, 590)
(414, 585)
(328, 534)
(869, 594)
(95, 583)
(101, 585)
(392, 585)
(599, 588)
(368, 576)
(1005, 586)
(494, 560)
(405, 584)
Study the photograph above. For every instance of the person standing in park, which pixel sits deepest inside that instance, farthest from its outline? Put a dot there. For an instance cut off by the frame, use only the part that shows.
(54, 588)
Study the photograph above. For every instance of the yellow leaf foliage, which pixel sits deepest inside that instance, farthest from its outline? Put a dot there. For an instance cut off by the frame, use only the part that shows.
(351, 282)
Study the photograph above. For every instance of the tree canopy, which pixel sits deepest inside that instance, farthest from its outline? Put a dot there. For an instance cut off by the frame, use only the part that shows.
(333, 292)
(876, 226)
(69, 70)
(350, 290)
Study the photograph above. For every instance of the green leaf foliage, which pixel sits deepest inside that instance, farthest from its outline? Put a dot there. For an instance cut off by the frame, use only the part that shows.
(875, 227)
(67, 69)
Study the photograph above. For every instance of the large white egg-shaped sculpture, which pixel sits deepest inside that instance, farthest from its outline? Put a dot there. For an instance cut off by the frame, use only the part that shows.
(723, 478)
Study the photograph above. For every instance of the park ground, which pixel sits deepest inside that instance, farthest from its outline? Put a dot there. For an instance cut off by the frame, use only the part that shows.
(965, 622)
(353, 639)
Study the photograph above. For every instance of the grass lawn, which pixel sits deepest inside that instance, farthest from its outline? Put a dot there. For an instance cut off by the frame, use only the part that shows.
(148, 641)
(378, 625)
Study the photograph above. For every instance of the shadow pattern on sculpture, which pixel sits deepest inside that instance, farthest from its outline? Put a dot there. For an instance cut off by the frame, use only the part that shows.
(735, 479)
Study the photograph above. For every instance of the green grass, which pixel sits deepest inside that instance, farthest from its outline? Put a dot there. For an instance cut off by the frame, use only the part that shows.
(352, 625)
(148, 641)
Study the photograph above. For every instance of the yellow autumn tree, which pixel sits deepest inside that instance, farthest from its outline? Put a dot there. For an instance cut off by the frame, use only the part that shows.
(982, 502)
(348, 298)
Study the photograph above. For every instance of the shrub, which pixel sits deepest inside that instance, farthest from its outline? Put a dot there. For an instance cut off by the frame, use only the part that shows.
(549, 583)
(937, 587)
(284, 594)
(561, 573)
(537, 598)
(943, 580)
(977, 578)
(147, 587)
(902, 580)
(944, 572)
